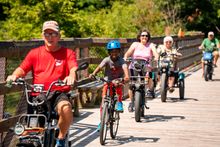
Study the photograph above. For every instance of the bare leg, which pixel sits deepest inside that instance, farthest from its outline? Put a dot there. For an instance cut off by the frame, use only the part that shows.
(131, 104)
(130, 94)
(64, 110)
(158, 82)
(216, 55)
(202, 68)
(171, 81)
(150, 84)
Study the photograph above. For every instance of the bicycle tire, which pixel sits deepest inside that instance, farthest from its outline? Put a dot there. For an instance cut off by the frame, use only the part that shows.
(46, 141)
(206, 72)
(163, 89)
(181, 89)
(138, 97)
(67, 142)
(52, 138)
(114, 121)
(104, 123)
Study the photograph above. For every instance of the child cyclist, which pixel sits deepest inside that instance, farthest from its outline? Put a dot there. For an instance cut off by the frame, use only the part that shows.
(115, 67)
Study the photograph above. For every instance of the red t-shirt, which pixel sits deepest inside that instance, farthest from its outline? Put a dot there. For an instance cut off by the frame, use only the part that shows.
(48, 66)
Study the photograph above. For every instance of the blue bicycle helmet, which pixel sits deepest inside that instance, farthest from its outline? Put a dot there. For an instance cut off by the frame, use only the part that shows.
(114, 44)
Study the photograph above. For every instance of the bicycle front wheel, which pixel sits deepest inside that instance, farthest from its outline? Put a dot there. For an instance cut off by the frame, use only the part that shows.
(114, 122)
(104, 123)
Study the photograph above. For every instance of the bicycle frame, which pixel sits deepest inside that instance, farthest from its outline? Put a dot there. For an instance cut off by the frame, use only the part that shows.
(110, 117)
(138, 83)
(35, 129)
(31, 133)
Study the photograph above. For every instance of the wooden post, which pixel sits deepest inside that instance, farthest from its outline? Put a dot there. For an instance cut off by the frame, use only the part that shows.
(2, 78)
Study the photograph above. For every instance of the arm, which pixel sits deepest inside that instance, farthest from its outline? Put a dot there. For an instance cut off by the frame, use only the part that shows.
(217, 44)
(202, 45)
(19, 72)
(154, 50)
(70, 80)
(177, 55)
(24, 67)
(126, 72)
(72, 65)
(98, 68)
(129, 52)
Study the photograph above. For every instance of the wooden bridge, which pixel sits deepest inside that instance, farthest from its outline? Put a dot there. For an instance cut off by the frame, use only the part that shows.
(192, 122)
(82, 131)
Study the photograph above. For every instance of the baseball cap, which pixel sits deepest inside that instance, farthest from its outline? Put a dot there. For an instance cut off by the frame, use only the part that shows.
(53, 25)
(210, 33)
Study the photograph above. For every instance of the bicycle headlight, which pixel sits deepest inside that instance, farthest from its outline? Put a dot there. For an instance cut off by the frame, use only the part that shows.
(19, 129)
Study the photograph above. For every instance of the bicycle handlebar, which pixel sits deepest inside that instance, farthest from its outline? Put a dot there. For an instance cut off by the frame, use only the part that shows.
(115, 81)
(34, 88)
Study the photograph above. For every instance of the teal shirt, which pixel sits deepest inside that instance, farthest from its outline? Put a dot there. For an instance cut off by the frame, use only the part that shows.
(210, 44)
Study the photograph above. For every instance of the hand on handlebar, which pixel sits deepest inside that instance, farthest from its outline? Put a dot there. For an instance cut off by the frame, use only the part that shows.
(11, 78)
(129, 59)
(69, 80)
(91, 76)
(163, 54)
(118, 82)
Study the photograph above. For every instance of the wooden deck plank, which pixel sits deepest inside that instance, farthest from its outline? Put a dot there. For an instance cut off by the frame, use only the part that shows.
(193, 122)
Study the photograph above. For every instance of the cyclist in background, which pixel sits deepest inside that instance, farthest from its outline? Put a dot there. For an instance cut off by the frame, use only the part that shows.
(168, 48)
(210, 44)
(115, 67)
(142, 49)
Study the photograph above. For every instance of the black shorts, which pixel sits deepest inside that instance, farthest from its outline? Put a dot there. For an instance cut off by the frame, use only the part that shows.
(53, 99)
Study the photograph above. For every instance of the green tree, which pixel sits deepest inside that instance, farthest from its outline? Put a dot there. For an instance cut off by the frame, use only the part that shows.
(201, 15)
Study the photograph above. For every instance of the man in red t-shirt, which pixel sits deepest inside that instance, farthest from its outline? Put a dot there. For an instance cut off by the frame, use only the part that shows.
(49, 63)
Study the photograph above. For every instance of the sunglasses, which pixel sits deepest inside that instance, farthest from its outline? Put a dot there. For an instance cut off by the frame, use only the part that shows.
(168, 42)
(144, 35)
(54, 34)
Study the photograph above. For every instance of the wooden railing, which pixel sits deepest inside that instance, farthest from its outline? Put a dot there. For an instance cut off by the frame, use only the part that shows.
(82, 46)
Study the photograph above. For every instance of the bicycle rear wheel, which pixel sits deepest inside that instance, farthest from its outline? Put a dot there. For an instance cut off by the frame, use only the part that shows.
(114, 122)
(104, 123)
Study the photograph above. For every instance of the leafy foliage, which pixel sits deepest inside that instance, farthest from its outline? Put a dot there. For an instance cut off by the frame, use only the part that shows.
(23, 19)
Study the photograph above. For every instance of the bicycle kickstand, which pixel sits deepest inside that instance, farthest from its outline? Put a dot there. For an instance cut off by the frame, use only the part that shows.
(147, 107)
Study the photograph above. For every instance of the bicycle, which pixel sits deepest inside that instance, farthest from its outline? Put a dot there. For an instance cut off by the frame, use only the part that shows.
(138, 83)
(165, 69)
(109, 117)
(40, 128)
(208, 62)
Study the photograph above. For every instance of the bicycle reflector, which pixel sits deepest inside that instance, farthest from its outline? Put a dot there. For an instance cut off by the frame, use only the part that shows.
(19, 129)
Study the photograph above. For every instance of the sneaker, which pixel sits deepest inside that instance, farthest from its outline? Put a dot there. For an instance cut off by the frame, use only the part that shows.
(60, 143)
(150, 94)
(119, 107)
(130, 107)
(99, 127)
